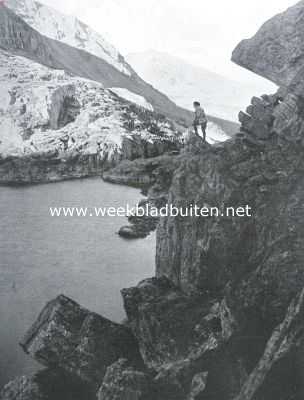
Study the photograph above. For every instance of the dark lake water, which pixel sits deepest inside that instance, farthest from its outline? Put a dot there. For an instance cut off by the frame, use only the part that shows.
(42, 256)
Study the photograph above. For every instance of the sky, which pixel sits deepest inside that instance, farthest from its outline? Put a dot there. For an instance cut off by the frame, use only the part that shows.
(202, 32)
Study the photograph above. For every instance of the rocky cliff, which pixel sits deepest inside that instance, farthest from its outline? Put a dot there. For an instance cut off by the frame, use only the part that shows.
(276, 52)
(223, 318)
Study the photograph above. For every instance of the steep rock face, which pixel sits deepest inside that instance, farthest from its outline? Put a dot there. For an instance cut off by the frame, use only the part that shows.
(286, 339)
(79, 342)
(257, 259)
(276, 52)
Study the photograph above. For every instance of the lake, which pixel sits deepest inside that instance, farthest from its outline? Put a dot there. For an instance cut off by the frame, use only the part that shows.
(43, 256)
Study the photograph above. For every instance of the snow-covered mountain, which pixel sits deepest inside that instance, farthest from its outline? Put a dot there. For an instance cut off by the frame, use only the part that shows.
(44, 111)
(69, 30)
(184, 83)
(48, 37)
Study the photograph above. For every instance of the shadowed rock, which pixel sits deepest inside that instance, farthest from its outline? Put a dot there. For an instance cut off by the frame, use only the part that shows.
(276, 52)
(170, 325)
(22, 388)
(80, 342)
(48, 384)
(287, 337)
(123, 382)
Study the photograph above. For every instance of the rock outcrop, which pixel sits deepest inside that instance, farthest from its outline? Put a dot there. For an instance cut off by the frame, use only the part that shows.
(21, 388)
(48, 384)
(263, 169)
(181, 337)
(123, 382)
(276, 52)
(141, 224)
(286, 339)
(170, 325)
(82, 343)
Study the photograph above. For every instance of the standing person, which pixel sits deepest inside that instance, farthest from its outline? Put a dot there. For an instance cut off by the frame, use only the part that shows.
(200, 119)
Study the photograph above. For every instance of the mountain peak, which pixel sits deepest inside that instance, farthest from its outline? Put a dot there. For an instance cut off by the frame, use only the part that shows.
(69, 30)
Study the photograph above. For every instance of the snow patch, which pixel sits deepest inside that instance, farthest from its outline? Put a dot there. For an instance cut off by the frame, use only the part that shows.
(132, 97)
(215, 134)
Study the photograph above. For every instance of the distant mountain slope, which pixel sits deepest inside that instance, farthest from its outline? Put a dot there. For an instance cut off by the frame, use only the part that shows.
(69, 30)
(21, 39)
(184, 83)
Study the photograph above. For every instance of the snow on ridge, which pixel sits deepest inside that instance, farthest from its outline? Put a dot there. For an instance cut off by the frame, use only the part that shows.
(214, 133)
(31, 91)
(132, 97)
(69, 30)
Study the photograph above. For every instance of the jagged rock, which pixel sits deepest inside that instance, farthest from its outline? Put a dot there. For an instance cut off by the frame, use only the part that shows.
(142, 173)
(195, 144)
(80, 342)
(22, 388)
(49, 384)
(276, 51)
(258, 120)
(122, 382)
(142, 223)
(172, 327)
(198, 385)
(287, 338)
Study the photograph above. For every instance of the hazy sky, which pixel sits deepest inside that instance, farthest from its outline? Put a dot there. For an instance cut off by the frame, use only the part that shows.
(203, 32)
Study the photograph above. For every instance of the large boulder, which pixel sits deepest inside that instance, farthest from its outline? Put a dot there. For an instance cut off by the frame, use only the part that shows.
(276, 52)
(180, 336)
(78, 341)
(169, 324)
